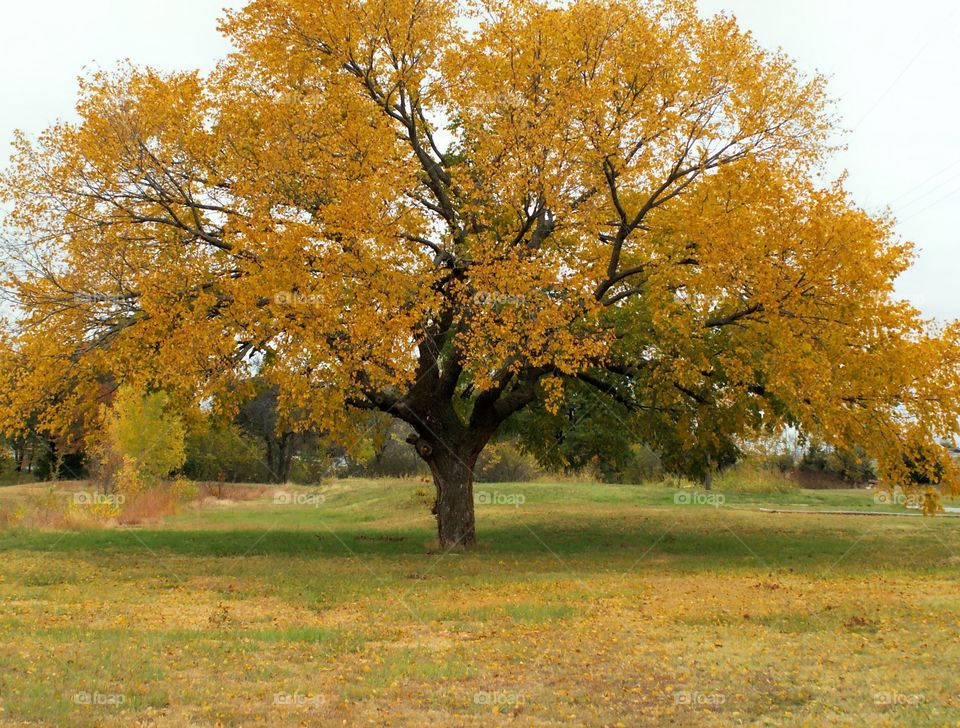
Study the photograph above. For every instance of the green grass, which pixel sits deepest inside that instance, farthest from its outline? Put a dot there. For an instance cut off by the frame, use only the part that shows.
(584, 604)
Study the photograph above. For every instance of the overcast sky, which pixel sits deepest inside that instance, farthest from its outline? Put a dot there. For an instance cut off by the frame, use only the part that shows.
(894, 69)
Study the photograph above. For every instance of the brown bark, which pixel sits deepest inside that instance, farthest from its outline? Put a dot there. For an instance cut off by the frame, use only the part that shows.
(456, 520)
(451, 463)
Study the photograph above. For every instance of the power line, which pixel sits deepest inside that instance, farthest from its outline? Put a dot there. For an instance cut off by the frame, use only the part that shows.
(936, 202)
(940, 27)
(922, 184)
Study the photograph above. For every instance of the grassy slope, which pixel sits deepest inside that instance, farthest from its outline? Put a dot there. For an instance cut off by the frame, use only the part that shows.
(585, 605)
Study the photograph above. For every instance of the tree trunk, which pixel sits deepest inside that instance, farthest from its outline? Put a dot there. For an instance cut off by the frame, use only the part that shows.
(456, 521)
(19, 452)
(271, 458)
(286, 455)
(708, 475)
(451, 464)
(280, 450)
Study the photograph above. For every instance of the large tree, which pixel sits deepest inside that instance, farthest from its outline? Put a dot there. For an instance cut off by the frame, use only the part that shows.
(447, 212)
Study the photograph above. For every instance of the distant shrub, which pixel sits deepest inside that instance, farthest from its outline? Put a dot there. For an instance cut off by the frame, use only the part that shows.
(851, 465)
(815, 458)
(753, 476)
(391, 456)
(641, 465)
(184, 490)
(224, 451)
(317, 459)
(502, 462)
(784, 461)
(854, 466)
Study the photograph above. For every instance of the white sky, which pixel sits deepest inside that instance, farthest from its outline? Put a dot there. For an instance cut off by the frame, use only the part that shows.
(894, 69)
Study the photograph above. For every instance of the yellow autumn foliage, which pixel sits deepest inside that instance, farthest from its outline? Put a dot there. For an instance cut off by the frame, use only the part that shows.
(442, 211)
(143, 441)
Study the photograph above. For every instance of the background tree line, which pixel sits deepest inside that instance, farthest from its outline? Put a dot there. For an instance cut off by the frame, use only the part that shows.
(252, 445)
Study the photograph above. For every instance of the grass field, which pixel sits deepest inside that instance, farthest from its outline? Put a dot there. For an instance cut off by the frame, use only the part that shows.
(583, 605)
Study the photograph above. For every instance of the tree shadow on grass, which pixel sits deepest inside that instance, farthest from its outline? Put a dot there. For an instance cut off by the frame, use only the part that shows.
(596, 547)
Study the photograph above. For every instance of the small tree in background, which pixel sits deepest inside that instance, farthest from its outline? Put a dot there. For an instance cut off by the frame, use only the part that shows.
(143, 440)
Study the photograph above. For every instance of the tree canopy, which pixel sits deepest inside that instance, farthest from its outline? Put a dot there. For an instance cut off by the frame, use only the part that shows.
(451, 212)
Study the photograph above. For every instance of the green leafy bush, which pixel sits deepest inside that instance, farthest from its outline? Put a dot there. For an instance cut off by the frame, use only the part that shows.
(503, 462)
